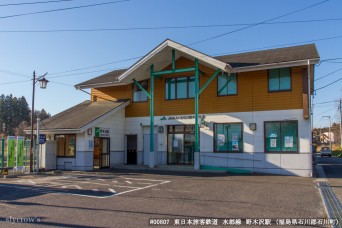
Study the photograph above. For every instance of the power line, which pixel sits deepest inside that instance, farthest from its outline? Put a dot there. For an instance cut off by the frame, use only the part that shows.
(256, 24)
(328, 74)
(327, 60)
(163, 27)
(246, 50)
(8, 83)
(62, 9)
(105, 64)
(325, 102)
(137, 57)
(60, 83)
(94, 71)
(325, 111)
(33, 3)
(328, 84)
(13, 73)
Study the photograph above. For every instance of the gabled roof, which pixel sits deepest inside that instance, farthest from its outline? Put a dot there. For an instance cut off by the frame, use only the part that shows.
(160, 57)
(81, 116)
(296, 55)
(249, 61)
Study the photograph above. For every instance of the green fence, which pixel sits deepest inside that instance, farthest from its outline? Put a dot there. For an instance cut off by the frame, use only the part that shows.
(16, 153)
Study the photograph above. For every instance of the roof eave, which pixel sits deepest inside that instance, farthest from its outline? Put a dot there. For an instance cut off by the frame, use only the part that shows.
(99, 85)
(276, 65)
(55, 131)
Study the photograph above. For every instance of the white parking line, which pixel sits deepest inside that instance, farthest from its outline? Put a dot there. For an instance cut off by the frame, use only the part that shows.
(129, 178)
(111, 190)
(32, 182)
(85, 182)
(121, 193)
(76, 186)
(128, 182)
(123, 186)
(143, 183)
(100, 179)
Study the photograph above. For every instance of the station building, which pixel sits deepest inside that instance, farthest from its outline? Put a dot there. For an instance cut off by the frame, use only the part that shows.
(247, 112)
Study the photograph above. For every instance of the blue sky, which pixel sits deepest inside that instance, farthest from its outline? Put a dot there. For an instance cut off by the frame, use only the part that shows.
(58, 52)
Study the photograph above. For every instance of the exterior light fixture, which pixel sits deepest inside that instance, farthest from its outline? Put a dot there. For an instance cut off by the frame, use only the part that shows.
(43, 82)
(252, 126)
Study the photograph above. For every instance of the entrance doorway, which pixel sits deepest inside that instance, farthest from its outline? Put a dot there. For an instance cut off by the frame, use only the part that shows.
(132, 149)
(181, 144)
(101, 152)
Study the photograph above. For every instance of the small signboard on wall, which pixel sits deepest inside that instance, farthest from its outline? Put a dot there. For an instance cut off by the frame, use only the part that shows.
(101, 132)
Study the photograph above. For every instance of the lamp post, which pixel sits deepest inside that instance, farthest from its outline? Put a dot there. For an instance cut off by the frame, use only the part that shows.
(42, 82)
(329, 130)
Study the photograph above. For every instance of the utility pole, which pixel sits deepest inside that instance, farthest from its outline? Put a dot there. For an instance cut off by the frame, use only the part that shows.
(341, 123)
(32, 114)
(329, 131)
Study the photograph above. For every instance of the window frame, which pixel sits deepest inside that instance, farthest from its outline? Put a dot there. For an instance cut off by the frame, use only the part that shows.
(280, 90)
(223, 95)
(281, 137)
(135, 86)
(55, 136)
(228, 151)
(188, 80)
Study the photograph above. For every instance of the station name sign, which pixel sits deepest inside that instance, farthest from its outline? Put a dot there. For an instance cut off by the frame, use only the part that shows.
(186, 117)
(101, 132)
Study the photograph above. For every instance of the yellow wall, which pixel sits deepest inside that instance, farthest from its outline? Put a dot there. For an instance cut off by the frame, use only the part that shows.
(252, 95)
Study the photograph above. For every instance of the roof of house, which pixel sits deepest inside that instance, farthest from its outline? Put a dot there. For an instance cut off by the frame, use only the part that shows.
(105, 78)
(80, 115)
(239, 62)
(287, 54)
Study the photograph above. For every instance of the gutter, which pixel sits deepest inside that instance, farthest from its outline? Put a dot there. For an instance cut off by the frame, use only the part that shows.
(276, 65)
(103, 84)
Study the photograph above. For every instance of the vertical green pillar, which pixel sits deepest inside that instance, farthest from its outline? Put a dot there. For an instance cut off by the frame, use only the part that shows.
(196, 154)
(173, 60)
(2, 152)
(151, 155)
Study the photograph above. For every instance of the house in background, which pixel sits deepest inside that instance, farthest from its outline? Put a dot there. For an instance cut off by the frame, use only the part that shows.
(247, 112)
(325, 138)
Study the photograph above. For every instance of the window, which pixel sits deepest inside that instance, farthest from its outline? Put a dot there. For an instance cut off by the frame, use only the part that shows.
(279, 79)
(66, 145)
(281, 136)
(228, 137)
(179, 88)
(138, 94)
(226, 84)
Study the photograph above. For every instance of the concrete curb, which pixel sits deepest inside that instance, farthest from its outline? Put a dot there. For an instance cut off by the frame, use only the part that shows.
(331, 203)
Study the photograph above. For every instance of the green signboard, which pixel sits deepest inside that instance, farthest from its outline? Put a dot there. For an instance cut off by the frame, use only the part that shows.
(97, 132)
(10, 151)
(102, 132)
(20, 151)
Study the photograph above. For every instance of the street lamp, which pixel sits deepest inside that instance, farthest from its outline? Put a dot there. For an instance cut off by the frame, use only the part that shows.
(329, 131)
(42, 82)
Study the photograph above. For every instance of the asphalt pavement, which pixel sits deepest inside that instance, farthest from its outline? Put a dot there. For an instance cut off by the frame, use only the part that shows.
(333, 171)
(131, 199)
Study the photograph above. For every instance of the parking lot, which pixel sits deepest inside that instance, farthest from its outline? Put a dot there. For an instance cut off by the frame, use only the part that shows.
(83, 185)
(126, 199)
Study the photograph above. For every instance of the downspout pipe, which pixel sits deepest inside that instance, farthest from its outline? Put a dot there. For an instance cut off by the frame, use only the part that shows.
(311, 157)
